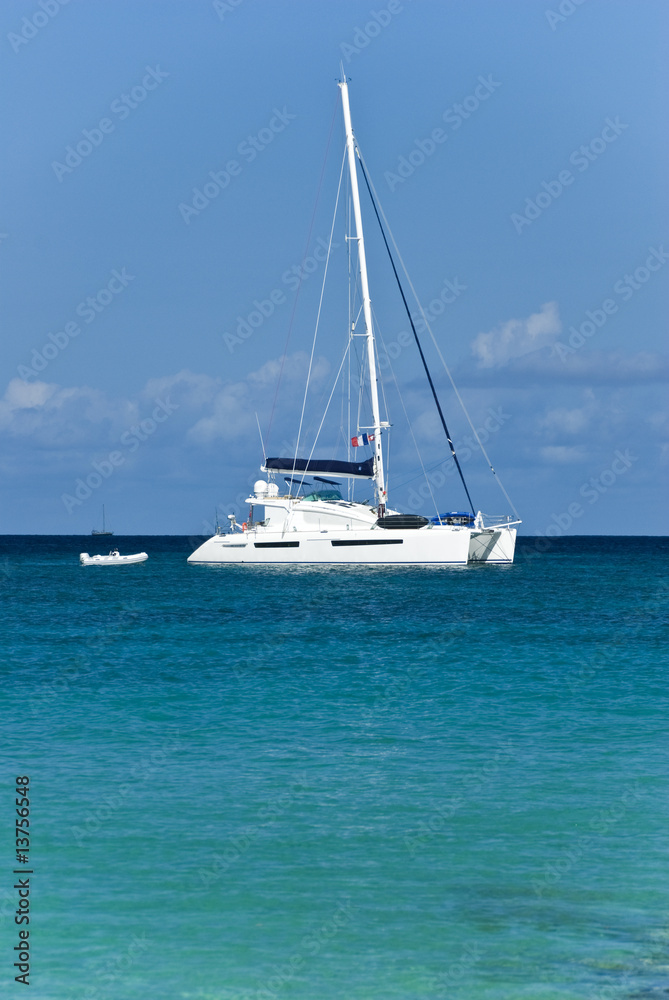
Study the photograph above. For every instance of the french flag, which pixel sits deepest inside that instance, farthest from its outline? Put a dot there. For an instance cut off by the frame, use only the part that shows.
(358, 442)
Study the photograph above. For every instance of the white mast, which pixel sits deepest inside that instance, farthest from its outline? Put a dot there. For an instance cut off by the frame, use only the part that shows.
(366, 301)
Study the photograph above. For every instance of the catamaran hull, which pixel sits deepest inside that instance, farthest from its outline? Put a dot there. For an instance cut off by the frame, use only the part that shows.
(311, 523)
(435, 546)
(493, 545)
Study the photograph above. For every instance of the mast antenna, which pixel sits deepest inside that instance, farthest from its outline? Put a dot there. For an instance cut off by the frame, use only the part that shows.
(262, 445)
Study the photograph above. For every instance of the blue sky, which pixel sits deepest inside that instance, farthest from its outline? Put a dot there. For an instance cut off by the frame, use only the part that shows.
(519, 150)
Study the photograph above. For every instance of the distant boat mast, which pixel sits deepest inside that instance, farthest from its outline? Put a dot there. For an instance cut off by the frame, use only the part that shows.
(104, 526)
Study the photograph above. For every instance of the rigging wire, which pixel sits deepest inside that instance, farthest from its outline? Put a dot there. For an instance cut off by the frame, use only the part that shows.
(262, 445)
(318, 318)
(413, 437)
(375, 201)
(347, 224)
(386, 408)
(418, 344)
(327, 406)
(304, 257)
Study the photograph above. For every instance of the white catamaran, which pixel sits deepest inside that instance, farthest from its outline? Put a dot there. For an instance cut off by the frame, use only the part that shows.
(313, 524)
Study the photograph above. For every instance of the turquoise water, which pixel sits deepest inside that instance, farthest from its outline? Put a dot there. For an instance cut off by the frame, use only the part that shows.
(250, 784)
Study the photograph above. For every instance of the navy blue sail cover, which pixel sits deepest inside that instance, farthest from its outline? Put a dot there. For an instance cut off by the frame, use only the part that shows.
(350, 470)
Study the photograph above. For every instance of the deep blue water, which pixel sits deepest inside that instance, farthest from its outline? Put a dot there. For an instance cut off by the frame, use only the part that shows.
(362, 784)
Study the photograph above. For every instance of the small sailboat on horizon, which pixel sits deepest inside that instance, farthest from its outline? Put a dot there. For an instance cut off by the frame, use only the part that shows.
(104, 526)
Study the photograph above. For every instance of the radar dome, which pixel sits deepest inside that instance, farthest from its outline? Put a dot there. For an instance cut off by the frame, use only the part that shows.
(260, 488)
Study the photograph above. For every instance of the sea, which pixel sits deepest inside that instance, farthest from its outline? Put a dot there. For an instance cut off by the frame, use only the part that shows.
(342, 783)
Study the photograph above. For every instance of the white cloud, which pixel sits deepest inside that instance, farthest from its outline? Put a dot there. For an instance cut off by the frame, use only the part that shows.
(611, 366)
(185, 388)
(22, 395)
(517, 337)
(293, 367)
(229, 416)
(563, 454)
(231, 411)
(57, 416)
(585, 367)
(563, 421)
(207, 408)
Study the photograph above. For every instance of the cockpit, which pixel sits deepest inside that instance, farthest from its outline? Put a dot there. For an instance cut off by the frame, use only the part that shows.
(323, 495)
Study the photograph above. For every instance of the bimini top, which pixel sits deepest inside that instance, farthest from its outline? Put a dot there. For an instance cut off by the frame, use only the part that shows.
(350, 470)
